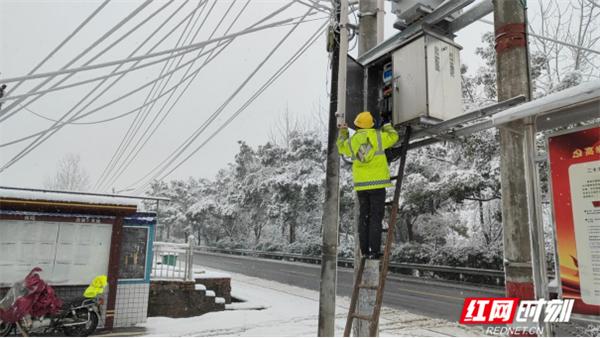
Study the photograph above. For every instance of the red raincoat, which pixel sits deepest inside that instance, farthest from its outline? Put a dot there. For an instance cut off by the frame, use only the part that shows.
(40, 300)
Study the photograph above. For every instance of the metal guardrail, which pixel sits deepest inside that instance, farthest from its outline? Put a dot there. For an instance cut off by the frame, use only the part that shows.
(493, 276)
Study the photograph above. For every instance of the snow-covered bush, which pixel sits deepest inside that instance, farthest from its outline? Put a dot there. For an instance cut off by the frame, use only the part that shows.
(469, 256)
(412, 253)
(269, 246)
(312, 248)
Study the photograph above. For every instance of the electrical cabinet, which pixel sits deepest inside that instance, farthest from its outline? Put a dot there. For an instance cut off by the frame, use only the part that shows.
(427, 80)
(419, 81)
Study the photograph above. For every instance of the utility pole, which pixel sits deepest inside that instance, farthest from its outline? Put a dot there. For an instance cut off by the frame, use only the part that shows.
(371, 17)
(2, 88)
(512, 67)
(331, 206)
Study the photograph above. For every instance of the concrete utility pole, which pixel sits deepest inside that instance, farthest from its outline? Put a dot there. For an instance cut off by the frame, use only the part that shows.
(371, 15)
(331, 206)
(512, 67)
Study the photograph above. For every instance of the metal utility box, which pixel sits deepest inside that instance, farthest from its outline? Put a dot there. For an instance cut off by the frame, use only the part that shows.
(426, 80)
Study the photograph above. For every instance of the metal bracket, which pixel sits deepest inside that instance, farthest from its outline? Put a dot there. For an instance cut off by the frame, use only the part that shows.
(360, 15)
(508, 263)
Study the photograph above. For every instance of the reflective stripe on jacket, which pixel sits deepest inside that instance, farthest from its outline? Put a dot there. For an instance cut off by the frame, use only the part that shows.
(374, 173)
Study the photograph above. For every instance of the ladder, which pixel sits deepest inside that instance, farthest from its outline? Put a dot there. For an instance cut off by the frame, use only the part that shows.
(373, 318)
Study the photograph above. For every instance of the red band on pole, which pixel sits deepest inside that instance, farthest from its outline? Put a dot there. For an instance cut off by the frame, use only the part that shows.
(510, 36)
(523, 291)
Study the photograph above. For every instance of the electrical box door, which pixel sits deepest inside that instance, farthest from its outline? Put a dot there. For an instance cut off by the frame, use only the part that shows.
(354, 90)
(427, 81)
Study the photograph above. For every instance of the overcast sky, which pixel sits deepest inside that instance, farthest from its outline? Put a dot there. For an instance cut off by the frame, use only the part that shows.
(29, 30)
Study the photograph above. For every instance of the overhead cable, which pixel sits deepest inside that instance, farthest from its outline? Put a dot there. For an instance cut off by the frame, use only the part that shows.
(279, 23)
(208, 60)
(83, 82)
(4, 111)
(41, 138)
(60, 45)
(188, 48)
(130, 159)
(148, 64)
(141, 116)
(268, 83)
(178, 152)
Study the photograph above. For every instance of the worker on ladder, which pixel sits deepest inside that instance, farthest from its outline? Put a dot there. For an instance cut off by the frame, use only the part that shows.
(371, 176)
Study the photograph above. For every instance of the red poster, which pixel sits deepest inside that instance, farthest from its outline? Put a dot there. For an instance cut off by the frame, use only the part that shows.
(575, 176)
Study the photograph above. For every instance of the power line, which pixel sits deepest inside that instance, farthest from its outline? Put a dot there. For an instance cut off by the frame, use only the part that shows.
(141, 116)
(109, 119)
(83, 82)
(188, 48)
(4, 111)
(57, 127)
(75, 118)
(219, 110)
(265, 86)
(316, 6)
(34, 144)
(129, 159)
(268, 17)
(60, 45)
(148, 64)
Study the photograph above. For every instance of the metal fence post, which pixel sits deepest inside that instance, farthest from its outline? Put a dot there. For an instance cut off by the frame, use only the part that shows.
(190, 258)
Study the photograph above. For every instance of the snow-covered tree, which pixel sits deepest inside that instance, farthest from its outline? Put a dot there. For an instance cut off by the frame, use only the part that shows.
(70, 175)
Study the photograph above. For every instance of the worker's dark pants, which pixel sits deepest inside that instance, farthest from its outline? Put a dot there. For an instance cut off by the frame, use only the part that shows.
(372, 209)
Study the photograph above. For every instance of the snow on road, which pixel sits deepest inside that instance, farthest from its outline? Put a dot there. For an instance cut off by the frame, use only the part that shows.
(276, 309)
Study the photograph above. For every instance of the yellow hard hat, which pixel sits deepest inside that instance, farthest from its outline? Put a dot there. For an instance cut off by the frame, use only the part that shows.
(364, 120)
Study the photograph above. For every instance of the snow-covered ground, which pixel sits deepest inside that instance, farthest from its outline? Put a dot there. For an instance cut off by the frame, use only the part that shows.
(275, 309)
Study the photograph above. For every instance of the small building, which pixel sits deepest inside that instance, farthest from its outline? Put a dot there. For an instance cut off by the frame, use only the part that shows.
(74, 237)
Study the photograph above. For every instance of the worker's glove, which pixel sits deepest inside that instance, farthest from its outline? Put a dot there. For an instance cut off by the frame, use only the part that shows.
(344, 133)
(388, 128)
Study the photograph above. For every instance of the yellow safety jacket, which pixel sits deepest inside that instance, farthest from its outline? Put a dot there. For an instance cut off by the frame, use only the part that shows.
(366, 148)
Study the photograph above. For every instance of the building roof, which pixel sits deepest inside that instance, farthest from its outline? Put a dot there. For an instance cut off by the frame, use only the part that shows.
(579, 103)
(65, 201)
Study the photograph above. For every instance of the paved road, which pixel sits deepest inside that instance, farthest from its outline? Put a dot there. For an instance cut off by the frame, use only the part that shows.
(431, 298)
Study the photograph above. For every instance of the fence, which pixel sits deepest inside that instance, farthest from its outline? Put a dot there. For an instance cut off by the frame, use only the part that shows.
(463, 274)
(173, 261)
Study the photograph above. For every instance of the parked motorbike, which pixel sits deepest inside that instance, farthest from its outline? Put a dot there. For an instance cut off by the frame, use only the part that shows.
(32, 307)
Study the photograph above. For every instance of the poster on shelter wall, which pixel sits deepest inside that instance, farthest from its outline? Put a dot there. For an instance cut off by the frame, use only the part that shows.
(574, 159)
(133, 253)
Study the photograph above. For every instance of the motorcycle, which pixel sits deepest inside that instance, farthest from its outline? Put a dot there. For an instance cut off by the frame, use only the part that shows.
(32, 307)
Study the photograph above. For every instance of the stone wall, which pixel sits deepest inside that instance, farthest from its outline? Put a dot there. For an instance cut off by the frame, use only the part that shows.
(178, 299)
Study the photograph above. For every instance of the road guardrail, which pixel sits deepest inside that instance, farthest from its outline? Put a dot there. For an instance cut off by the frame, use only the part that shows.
(463, 274)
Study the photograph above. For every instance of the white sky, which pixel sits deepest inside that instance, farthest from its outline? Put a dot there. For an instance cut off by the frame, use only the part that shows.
(29, 30)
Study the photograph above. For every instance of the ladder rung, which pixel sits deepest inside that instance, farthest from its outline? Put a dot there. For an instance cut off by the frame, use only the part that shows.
(363, 317)
(372, 287)
(385, 229)
(393, 177)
